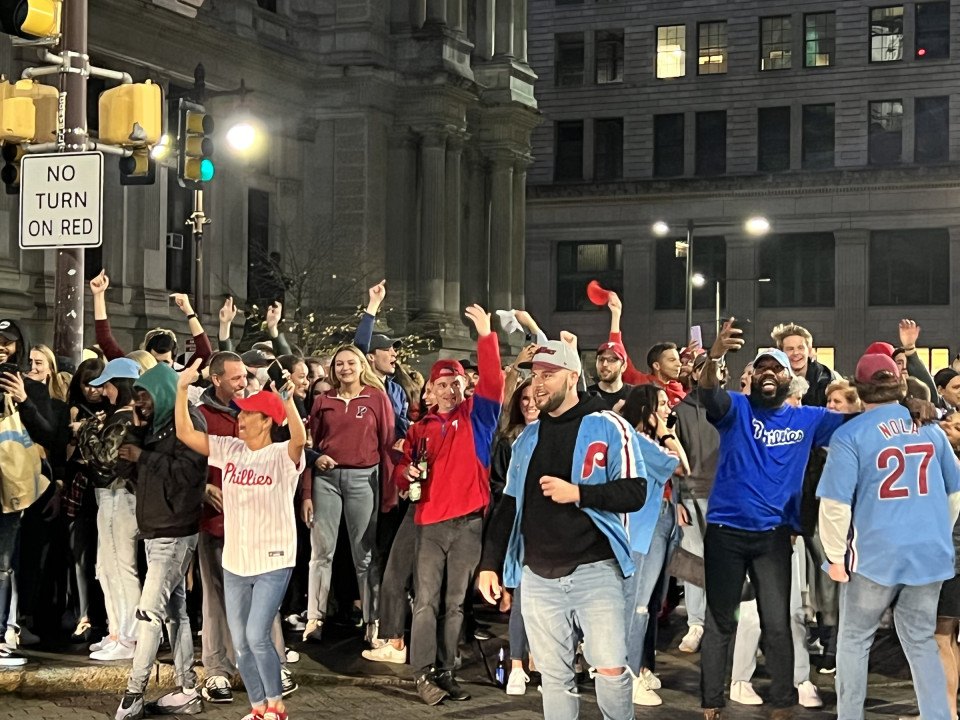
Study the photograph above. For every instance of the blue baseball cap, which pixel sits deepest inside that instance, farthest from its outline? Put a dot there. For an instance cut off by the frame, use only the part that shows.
(118, 368)
(779, 355)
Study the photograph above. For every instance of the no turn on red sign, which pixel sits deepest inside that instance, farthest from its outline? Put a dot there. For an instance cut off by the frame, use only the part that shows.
(61, 200)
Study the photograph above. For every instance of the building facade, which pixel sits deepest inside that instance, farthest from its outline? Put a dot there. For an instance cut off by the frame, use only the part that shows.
(397, 145)
(837, 121)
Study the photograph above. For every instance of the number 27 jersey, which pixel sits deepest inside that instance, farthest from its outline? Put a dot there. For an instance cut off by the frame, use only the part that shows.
(897, 477)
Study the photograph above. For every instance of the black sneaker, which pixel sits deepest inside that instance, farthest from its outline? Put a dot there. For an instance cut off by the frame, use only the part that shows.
(216, 689)
(10, 657)
(449, 684)
(428, 690)
(176, 702)
(829, 665)
(288, 684)
(482, 633)
(131, 707)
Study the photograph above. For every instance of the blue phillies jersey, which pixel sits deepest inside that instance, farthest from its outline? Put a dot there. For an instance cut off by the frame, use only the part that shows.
(896, 476)
(763, 454)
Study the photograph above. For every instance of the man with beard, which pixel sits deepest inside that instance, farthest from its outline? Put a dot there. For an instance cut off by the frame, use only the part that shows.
(753, 509)
(560, 525)
(611, 362)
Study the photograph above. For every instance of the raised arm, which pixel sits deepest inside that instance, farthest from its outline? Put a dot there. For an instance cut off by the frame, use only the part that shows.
(714, 398)
(364, 334)
(203, 350)
(909, 334)
(226, 315)
(98, 287)
(273, 316)
(530, 325)
(194, 439)
(298, 433)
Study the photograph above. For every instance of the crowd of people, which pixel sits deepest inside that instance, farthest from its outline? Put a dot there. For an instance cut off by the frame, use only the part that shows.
(209, 489)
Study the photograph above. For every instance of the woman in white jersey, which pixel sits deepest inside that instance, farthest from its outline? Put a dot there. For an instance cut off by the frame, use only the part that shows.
(260, 535)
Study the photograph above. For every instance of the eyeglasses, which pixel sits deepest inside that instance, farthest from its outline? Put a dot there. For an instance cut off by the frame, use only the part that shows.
(606, 360)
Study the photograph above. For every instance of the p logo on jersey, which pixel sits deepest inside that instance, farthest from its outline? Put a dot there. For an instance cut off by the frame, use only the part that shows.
(361, 411)
(596, 457)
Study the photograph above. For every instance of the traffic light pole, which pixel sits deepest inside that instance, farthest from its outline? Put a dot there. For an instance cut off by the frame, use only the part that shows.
(69, 282)
(196, 221)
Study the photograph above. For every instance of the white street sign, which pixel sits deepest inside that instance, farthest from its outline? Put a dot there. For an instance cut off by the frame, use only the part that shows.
(61, 200)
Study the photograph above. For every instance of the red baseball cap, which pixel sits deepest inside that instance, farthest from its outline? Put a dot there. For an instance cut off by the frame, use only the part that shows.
(873, 363)
(446, 368)
(879, 348)
(616, 348)
(596, 294)
(265, 403)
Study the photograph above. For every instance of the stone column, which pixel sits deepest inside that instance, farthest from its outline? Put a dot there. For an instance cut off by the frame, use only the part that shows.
(954, 330)
(484, 30)
(741, 297)
(520, 30)
(437, 12)
(474, 258)
(456, 15)
(432, 221)
(454, 209)
(503, 35)
(851, 294)
(418, 13)
(519, 249)
(403, 245)
(501, 230)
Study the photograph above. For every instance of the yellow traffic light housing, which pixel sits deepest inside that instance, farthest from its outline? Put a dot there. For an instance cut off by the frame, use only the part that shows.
(195, 145)
(28, 112)
(31, 18)
(138, 169)
(131, 115)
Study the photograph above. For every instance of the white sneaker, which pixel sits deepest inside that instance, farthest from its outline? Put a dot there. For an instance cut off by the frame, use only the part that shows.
(809, 695)
(650, 681)
(10, 657)
(117, 651)
(11, 638)
(101, 643)
(292, 656)
(295, 622)
(742, 692)
(517, 682)
(642, 695)
(386, 653)
(691, 641)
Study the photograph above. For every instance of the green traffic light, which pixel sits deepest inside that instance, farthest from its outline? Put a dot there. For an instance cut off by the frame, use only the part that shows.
(206, 170)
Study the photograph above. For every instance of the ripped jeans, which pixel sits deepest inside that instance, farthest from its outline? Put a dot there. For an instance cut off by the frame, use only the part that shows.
(164, 600)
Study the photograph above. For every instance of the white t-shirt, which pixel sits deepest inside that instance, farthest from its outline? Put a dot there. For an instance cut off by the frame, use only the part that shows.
(259, 526)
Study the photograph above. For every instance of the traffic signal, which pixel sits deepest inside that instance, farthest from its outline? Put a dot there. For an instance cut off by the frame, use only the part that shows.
(28, 112)
(30, 18)
(138, 169)
(131, 115)
(195, 146)
(10, 173)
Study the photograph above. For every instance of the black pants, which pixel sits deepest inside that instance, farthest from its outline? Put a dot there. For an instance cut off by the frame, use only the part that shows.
(398, 579)
(452, 547)
(728, 555)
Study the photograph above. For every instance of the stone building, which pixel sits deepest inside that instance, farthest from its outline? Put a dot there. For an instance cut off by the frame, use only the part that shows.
(397, 146)
(838, 121)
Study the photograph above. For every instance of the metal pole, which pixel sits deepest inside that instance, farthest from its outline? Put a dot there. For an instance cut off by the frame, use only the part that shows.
(68, 313)
(689, 304)
(196, 222)
(718, 307)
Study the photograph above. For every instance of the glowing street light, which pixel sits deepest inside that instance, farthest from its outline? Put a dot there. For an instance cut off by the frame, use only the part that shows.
(242, 136)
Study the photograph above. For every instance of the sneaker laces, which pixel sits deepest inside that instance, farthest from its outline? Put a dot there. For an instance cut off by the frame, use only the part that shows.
(217, 681)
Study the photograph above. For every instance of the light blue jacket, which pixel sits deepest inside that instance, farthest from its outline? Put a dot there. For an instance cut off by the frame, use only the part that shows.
(607, 449)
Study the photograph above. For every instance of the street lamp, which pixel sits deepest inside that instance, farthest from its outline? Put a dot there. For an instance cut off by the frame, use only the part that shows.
(717, 296)
(755, 226)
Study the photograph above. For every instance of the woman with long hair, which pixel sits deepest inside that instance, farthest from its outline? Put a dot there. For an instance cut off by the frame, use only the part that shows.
(79, 504)
(259, 526)
(353, 430)
(43, 369)
(98, 442)
(648, 410)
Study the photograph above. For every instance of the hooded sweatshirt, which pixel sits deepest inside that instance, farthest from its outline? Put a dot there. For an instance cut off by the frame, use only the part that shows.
(170, 477)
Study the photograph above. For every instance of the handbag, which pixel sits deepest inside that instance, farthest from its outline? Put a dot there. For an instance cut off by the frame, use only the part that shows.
(685, 565)
(21, 479)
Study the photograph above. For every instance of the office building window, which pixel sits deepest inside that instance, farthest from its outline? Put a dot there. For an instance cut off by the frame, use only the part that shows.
(609, 48)
(712, 48)
(817, 141)
(932, 30)
(671, 51)
(776, 36)
(711, 142)
(886, 34)
(580, 262)
(668, 145)
(931, 130)
(800, 268)
(568, 69)
(709, 259)
(608, 149)
(773, 139)
(568, 150)
(910, 267)
(886, 132)
(819, 39)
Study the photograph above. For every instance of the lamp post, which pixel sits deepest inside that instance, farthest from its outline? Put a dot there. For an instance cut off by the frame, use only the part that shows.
(755, 226)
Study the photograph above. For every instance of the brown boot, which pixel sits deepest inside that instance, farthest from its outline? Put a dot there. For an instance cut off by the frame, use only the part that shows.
(781, 714)
(712, 713)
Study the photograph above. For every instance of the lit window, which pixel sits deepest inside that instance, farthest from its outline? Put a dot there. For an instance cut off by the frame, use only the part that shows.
(775, 43)
(886, 34)
(712, 48)
(819, 39)
(671, 51)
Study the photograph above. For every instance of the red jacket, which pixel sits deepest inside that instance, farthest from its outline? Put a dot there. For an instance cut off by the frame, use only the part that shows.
(458, 446)
(221, 420)
(632, 376)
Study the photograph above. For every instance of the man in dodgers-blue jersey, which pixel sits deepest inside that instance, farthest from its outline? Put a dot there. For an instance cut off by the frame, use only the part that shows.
(890, 495)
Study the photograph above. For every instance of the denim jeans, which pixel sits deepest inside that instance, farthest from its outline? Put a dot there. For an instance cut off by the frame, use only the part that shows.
(450, 548)
(694, 598)
(588, 600)
(398, 579)
(516, 629)
(862, 603)
(9, 527)
(164, 599)
(218, 654)
(353, 494)
(117, 559)
(640, 586)
(252, 606)
(728, 555)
